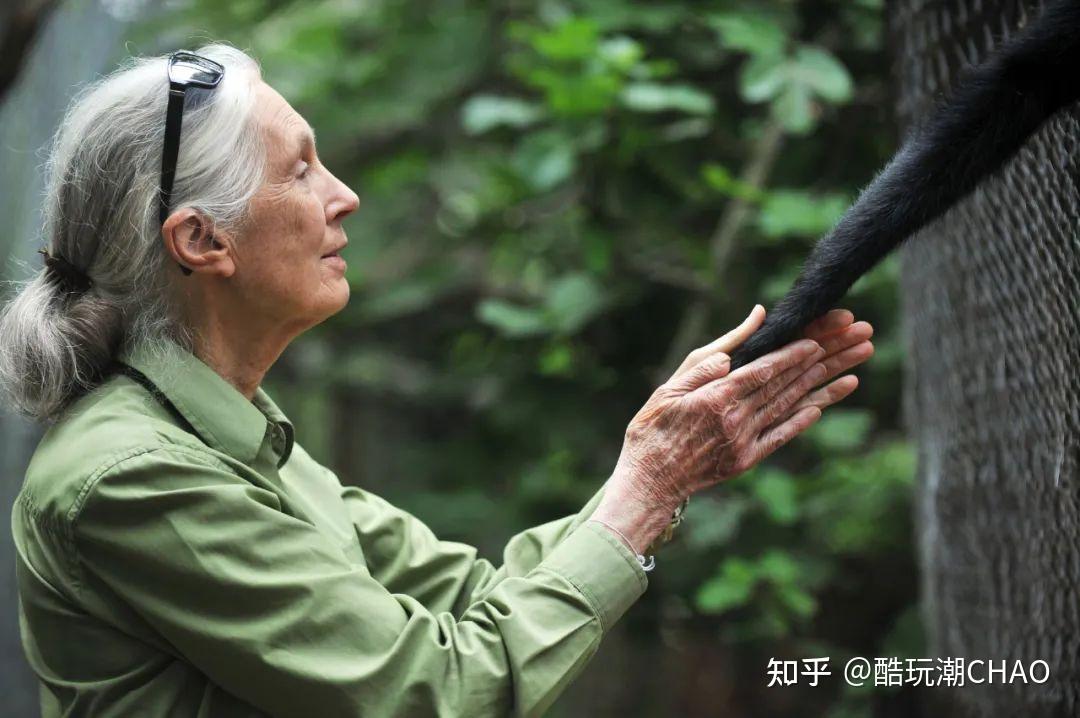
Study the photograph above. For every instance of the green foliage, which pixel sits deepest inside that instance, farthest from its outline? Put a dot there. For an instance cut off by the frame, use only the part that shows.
(569, 302)
(791, 212)
(541, 188)
(486, 112)
(750, 32)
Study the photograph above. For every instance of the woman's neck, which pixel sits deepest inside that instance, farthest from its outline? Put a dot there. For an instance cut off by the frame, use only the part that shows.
(241, 359)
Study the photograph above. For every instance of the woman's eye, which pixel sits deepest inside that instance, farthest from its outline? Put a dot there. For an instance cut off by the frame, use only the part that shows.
(304, 172)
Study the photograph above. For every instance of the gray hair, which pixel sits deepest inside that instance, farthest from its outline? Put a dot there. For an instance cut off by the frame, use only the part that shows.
(101, 214)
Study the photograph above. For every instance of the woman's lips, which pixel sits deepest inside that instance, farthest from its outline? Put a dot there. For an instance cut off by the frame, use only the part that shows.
(335, 260)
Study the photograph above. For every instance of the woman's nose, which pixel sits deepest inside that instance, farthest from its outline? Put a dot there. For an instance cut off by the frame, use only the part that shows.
(343, 202)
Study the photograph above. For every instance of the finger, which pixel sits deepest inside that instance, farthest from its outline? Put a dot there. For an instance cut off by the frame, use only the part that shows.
(726, 344)
(857, 332)
(756, 399)
(828, 323)
(847, 359)
(787, 398)
(709, 370)
(847, 350)
(772, 439)
(759, 372)
(828, 395)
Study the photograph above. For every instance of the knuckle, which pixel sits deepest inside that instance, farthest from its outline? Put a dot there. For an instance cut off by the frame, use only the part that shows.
(715, 365)
(742, 462)
(771, 411)
(730, 421)
(781, 437)
(760, 373)
(773, 388)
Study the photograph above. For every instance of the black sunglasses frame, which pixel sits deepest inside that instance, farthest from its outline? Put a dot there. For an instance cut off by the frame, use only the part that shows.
(186, 70)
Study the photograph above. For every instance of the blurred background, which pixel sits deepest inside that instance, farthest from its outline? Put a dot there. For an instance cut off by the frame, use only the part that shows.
(559, 200)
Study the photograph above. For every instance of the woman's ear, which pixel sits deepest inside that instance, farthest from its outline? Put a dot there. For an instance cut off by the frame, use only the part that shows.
(191, 240)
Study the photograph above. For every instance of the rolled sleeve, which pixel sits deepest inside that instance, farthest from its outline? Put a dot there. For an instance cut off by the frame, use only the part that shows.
(602, 567)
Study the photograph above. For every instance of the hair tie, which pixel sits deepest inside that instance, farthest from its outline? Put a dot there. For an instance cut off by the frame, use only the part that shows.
(65, 274)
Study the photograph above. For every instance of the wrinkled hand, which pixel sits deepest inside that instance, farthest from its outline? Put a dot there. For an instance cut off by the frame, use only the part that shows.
(705, 425)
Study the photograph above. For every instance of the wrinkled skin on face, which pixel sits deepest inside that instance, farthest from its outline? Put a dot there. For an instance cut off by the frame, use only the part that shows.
(296, 222)
(280, 273)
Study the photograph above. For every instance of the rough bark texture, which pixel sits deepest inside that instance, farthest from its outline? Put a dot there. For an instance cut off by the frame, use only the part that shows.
(992, 310)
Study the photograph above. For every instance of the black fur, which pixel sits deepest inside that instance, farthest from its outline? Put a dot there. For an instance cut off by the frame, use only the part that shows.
(991, 113)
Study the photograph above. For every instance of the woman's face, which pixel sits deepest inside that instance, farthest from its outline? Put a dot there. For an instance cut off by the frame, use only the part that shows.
(287, 263)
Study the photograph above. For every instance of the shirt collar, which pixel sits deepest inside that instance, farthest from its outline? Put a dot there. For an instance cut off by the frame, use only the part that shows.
(219, 413)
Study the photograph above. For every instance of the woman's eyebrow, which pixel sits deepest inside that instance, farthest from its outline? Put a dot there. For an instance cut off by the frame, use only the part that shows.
(306, 139)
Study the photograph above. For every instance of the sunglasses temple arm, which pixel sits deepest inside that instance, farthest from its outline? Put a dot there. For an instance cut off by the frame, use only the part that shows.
(170, 150)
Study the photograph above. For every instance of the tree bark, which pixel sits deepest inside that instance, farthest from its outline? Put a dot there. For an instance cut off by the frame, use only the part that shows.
(992, 312)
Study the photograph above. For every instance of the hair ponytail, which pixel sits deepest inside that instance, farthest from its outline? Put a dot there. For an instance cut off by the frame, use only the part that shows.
(54, 345)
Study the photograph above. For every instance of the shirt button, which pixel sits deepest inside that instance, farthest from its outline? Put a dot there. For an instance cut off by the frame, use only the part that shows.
(277, 438)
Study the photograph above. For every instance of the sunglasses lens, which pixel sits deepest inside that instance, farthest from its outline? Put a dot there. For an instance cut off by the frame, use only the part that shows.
(194, 70)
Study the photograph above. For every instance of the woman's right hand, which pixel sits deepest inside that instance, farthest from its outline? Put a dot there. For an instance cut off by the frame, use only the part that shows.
(705, 425)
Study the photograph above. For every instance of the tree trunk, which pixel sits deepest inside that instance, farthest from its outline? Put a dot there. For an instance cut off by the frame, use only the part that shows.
(992, 312)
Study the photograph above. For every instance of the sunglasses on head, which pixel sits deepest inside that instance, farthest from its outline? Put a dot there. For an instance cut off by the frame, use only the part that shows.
(186, 70)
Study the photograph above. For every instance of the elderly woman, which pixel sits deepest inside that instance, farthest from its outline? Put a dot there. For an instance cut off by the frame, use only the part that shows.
(179, 553)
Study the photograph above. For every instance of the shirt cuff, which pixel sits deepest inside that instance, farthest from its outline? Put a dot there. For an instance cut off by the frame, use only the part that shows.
(602, 568)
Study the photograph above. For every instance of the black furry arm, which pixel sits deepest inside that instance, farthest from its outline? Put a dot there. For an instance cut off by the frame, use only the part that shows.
(991, 113)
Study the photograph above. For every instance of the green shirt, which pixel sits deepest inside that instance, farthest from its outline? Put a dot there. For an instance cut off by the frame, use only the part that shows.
(179, 554)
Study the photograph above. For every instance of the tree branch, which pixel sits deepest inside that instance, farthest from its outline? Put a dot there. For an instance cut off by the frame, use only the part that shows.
(721, 246)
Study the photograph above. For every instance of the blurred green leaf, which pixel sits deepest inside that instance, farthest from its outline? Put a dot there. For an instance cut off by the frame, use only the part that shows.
(799, 602)
(822, 73)
(763, 77)
(709, 522)
(729, 589)
(573, 39)
(794, 212)
(748, 32)
(796, 109)
(622, 53)
(545, 159)
(778, 567)
(840, 429)
(860, 505)
(572, 300)
(556, 360)
(512, 320)
(720, 179)
(793, 83)
(654, 97)
(485, 112)
(777, 492)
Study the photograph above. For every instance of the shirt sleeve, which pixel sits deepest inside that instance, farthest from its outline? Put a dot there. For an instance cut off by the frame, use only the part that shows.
(405, 556)
(273, 611)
